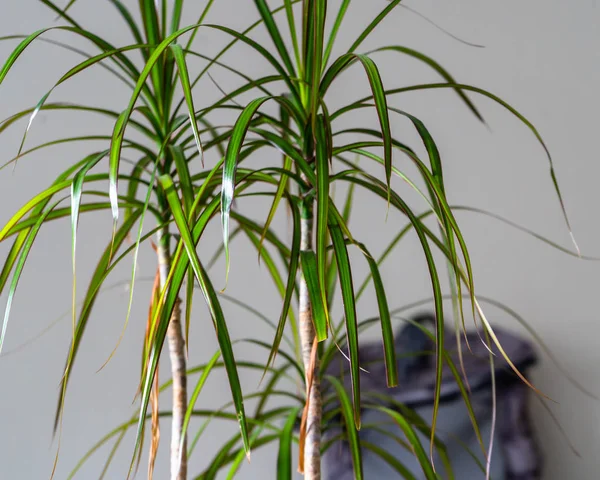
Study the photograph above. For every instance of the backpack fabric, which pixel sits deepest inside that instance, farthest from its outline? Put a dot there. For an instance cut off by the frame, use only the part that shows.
(515, 452)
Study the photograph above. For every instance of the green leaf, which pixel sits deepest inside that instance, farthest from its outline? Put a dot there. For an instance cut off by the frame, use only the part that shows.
(347, 287)
(255, 442)
(183, 174)
(275, 35)
(334, 31)
(376, 21)
(289, 12)
(71, 73)
(100, 273)
(284, 458)
(187, 92)
(291, 283)
(121, 60)
(18, 51)
(322, 167)
(389, 459)
(234, 147)
(264, 53)
(283, 181)
(309, 270)
(411, 436)
(12, 256)
(150, 21)
(422, 235)
(194, 397)
(123, 120)
(444, 213)
(332, 269)
(176, 16)
(212, 302)
(76, 189)
(27, 244)
(62, 13)
(231, 159)
(516, 113)
(351, 431)
(379, 96)
(315, 42)
(199, 22)
(76, 108)
(387, 332)
(438, 68)
(128, 18)
(36, 200)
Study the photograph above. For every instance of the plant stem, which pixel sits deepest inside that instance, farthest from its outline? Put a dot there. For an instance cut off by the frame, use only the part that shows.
(312, 446)
(178, 367)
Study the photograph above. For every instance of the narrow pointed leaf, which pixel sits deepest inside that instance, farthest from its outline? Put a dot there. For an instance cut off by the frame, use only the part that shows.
(347, 287)
(264, 53)
(19, 269)
(123, 120)
(284, 458)
(128, 18)
(275, 35)
(76, 190)
(322, 167)
(309, 270)
(200, 21)
(387, 332)
(516, 113)
(422, 235)
(389, 459)
(289, 12)
(187, 92)
(411, 436)
(185, 181)
(176, 16)
(438, 68)
(91, 295)
(231, 161)
(194, 397)
(351, 431)
(316, 40)
(334, 31)
(376, 21)
(291, 284)
(378, 94)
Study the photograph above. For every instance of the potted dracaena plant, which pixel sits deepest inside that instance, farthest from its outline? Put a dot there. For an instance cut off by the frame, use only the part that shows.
(171, 182)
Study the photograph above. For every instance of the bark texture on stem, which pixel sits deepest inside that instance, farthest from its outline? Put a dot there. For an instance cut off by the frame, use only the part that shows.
(312, 446)
(178, 372)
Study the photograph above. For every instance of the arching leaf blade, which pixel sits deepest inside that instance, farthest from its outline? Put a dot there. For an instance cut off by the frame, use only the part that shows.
(347, 287)
(351, 431)
(308, 261)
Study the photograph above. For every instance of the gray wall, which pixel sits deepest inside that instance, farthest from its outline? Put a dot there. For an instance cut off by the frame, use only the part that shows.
(541, 56)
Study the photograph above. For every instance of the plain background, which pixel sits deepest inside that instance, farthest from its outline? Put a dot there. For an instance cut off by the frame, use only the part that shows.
(540, 55)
